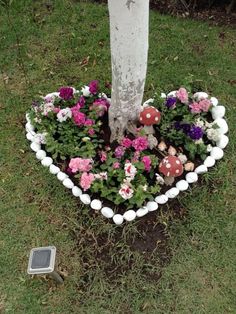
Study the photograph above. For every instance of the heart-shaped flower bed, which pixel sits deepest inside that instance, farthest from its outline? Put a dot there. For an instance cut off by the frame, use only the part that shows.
(178, 136)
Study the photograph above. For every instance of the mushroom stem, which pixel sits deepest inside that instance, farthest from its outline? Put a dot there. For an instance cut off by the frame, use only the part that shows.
(169, 180)
(148, 129)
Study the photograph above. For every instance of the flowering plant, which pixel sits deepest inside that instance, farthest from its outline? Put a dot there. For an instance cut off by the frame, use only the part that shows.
(72, 125)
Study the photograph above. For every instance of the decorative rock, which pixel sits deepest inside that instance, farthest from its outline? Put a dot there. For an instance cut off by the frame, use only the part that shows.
(209, 162)
(163, 96)
(172, 94)
(129, 215)
(172, 193)
(118, 219)
(41, 154)
(182, 185)
(54, 169)
(223, 126)
(217, 153)
(214, 101)
(85, 199)
(218, 112)
(107, 212)
(76, 191)
(68, 183)
(147, 102)
(35, 147)
(200, 95)
(191, 177)
(61, 176)
(142, 211)
(151, 206)
(161, 199)
(96, 204)
(27, 117)
(30, 136)
(46, 161)
(223, 141)
(29, 127)
(201, 169)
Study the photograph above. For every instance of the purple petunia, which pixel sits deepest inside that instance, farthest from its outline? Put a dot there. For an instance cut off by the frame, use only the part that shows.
(93, 87)
(170, 102)
(66, 93)
(195, 132)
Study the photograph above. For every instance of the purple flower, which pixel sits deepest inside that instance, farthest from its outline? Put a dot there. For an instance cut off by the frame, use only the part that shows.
(195, 132)
(66, 93)
(186, 128)
(81, 102)
(170, 102)
(93, 87)
(119, 151)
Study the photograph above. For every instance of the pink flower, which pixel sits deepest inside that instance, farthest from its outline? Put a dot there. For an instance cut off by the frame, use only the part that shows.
(78, 117)
(126, 142)
(101, 176)
(147, 163)
(195, 107)
(89, 122)
(130, 170)
(116, 165)
(93, 87)
(86, 180)
(182, 95)
(56, 109)
(101, 105)
(136, 157)
(119, 151)
(126, 191)
(140, 143)
(103, 156)
(81, 102)
(205, 104)
(91, 132)
(66, 93)
(80, 164)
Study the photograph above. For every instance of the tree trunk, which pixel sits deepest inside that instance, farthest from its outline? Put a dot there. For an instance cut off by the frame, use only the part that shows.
(129, 21)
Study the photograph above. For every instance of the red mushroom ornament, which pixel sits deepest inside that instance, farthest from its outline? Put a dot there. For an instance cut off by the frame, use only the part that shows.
(171, 167)
(150, 116)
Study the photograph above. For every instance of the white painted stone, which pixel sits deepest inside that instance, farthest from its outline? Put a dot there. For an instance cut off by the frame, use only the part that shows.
(96, 204)
(218, 112)
(118, 219)
(200, 95)
(76, 191)
(29, 127)
(223, 126)
(35, 147)
(85, 199)
(129, 215)
(41, 154)
(27, 117)
(54, 169)
(217, 153)
(46, 161)
(223, 141)
(61, 176)
(148, 102)
(209, 162)
(151, 206)
(172, 94)
(201, 169)
(142, 211)
(172, 193)
(191, 177)
(161, 199)
(182, 185)
(163, 95)
(107, 212)
(214, 101)
(30, 136)
(52, 95)
(68, 183)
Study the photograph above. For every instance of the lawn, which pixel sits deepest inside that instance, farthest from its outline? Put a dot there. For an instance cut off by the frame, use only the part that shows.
(182, 261)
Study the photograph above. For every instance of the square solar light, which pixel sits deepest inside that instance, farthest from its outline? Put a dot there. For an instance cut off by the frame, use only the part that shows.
(42, 262)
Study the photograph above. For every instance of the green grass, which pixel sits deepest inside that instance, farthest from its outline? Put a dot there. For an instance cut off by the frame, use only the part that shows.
(43, 45)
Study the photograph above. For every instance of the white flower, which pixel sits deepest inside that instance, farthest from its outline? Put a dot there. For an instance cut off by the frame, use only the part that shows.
(163, 95)
(200, 123)
(85, 91)
(145, 188)
(159, 179)
(209, 148)
(64, 114)
(47, 107)
(208, 125)
(126, 191)
(101, 176)
(51, 97)
(183, 158)
(213, 134)
(200, 141)
(130, 170)
(40, 138)
(37, 120)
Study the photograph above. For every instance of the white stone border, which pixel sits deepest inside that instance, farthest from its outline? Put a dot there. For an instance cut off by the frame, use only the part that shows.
(216, 153)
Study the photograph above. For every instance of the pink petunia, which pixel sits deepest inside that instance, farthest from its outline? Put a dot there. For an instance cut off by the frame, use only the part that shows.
(93, 87)
(126, 142)
(182, 95)
(205, 105)
(103, 156)
(78, 117)
(147, 162)
(116, 165)
(86, 180)
(80, 164)
(195, 107)
(91, 132)
(89, 122)
(140, 143)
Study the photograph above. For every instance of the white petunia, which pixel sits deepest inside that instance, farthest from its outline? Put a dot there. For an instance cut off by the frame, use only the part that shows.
(64, 114)
(40, 138)
(213, 134)
(130, 170)
(126, 191)
(85, 91)
(159, 179)
(47, 107)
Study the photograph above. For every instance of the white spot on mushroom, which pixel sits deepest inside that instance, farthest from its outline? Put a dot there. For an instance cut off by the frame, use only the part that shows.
(168, 173)
(148, 115)
(168, 165)
(178, 162)
(156, 119)
(141, 118)
(177, 171)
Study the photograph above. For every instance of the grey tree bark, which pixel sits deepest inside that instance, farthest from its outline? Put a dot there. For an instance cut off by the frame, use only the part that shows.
(129, 26)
